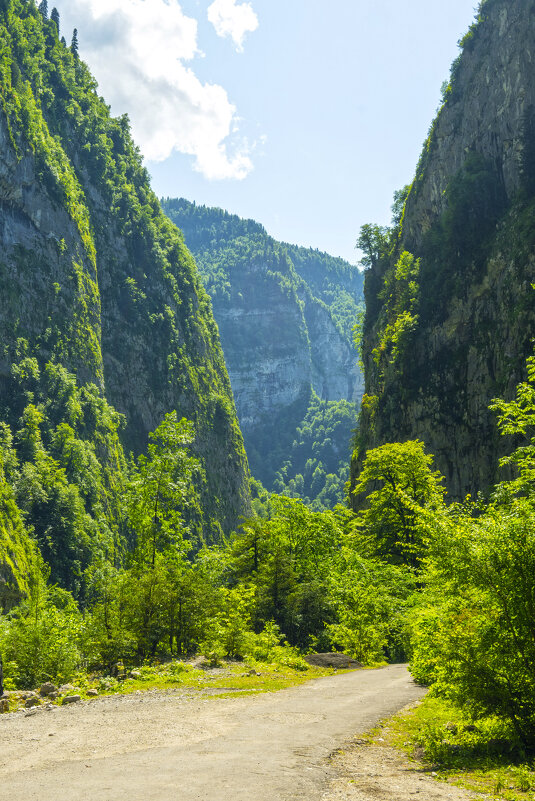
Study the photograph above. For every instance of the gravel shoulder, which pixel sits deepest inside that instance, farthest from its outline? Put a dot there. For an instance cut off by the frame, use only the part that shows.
(169, 745)
(373, 771)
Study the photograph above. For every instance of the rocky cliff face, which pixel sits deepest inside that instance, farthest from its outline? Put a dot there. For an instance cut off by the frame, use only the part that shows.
(469, 218)
(92, 275)
(281, 338)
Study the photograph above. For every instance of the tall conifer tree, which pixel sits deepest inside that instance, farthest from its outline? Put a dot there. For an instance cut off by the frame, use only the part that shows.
(54, 16)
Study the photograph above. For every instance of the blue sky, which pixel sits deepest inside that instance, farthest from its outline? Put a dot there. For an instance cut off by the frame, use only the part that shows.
(305, 115)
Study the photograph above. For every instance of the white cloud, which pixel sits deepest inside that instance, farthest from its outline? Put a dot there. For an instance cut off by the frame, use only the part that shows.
(138, 51)
(233, 19)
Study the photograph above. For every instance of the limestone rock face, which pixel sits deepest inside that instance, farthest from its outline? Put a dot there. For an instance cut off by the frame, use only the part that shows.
(266, 348)
(469, 217)
(334, 367)
(493, 91)
(279, 346)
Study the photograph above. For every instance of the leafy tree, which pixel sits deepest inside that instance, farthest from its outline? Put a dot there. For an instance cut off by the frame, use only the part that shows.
(43, 8)
(401, 295)
(398, 206)
(370, 604)
(106, 636)
(161, 490)
(374, 241)
(397, 486)
(517, 418)
(40, 639)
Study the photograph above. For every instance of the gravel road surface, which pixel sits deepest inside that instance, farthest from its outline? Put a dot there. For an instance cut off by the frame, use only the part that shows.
(182, 746)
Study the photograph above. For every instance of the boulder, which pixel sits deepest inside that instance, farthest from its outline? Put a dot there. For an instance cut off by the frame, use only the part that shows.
(71, 699)
(4, 705)
(338, 661)
(34, 700)
(47, 689)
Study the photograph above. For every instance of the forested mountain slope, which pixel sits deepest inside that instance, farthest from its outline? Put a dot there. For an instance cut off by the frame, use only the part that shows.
(104, 323)
(449, 326)
(285, 315)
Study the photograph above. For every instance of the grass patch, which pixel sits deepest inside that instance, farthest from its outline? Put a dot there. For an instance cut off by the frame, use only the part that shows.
(479, 755)
(229, 680)
(233, 677)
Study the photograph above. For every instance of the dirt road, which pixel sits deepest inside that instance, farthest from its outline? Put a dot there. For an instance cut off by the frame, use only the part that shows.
(173, 746)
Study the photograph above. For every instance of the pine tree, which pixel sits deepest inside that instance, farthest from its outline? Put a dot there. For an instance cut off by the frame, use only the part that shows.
(54, 16)
(74, 43)
(43, 8)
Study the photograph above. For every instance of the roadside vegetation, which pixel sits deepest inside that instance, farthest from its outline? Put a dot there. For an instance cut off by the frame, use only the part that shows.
(227, 678)
(483, 756)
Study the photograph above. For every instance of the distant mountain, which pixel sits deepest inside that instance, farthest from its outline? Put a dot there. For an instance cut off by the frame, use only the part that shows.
(285, 316)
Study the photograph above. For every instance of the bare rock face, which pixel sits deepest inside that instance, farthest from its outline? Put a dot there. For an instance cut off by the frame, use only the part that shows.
(486, 112)
(468, 217)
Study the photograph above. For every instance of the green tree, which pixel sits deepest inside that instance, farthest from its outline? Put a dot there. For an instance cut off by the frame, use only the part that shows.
(374, 242)
(40, 639)
(473, 637)
(54, 16)
(517, 418)
(74, 43)
(162, 490)
(370, 600)
(401, 295)
(397, 486)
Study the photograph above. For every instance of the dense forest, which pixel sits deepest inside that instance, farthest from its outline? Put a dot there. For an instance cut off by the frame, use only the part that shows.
(286, 317)
(130, 531)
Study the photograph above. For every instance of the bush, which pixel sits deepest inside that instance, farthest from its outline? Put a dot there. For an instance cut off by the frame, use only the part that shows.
(40, 642)
(478, 646)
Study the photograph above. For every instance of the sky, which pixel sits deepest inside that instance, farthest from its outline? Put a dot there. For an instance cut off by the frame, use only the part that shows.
(305, 115)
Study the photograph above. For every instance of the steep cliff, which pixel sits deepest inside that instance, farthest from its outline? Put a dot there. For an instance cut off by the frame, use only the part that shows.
(94, 279)
(449, 330)
(285, 316)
